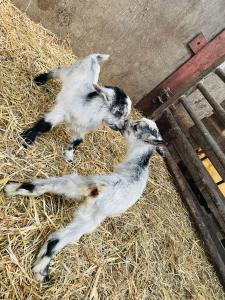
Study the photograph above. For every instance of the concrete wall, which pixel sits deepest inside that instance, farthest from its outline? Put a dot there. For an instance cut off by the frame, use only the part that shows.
(146, 38)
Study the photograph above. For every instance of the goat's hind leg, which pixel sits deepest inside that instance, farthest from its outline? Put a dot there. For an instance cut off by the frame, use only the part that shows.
(69, 185)
(62, 72)
(86, 220)
(43, 78)
(45, 124)
(72, 186)
(71, 148)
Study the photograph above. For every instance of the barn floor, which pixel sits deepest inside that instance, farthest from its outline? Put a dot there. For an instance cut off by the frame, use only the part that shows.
(150, 252)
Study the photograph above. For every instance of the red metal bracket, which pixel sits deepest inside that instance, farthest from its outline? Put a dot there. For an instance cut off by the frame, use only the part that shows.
(207, 56)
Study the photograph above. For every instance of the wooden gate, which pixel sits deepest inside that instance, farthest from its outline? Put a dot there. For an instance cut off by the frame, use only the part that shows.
(196, 145)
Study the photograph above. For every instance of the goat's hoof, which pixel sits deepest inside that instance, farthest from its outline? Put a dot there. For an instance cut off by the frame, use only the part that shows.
(69, 156)
(41, 79)
(25, 143)
(11, 189)
(26, 140)
(43, 278)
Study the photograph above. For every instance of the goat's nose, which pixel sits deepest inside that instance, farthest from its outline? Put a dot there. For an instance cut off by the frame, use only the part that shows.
(126, 123)
(124, 127)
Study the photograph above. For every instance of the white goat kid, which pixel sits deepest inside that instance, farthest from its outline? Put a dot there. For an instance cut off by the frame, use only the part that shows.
(101, 196)
(81, 102)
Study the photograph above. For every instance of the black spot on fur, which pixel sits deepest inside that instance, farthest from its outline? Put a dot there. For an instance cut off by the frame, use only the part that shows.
(119, 101)
(144, 160)
(47, 279)
(154, 132)
(27, 186)
(92, 95)
(46, 270)
(42, 78)
(75, 144)
(120, 95)
(140, 165)
(117, 182)
(50, 247)
(40, 127)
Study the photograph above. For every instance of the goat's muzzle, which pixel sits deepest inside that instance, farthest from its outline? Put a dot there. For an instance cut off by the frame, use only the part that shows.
(125, 126)
(122, 128)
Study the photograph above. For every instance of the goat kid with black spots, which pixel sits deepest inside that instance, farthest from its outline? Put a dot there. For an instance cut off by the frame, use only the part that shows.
(101, 196)
(81, 103)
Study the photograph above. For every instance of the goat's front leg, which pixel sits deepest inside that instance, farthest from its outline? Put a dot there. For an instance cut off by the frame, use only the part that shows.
(45, 124)
(86, 220)
(76, 140)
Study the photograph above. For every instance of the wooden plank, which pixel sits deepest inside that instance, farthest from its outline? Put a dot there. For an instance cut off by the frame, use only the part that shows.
(209, 232)
(204, 130)
(203, 180)
(197, 136)
(199, 139)
(217, 107)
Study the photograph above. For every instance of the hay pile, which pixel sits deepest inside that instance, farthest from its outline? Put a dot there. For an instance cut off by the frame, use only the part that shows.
(150, 252)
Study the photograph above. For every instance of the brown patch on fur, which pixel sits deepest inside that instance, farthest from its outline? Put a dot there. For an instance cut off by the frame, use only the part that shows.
(91, 191)
(94, 192)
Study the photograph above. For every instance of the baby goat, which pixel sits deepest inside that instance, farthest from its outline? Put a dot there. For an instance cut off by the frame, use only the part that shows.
(81, 102)
(101, 196)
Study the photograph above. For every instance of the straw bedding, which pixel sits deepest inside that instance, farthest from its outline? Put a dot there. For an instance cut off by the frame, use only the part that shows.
(150, 252)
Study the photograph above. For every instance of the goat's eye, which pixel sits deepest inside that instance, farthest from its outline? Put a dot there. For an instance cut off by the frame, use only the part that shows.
(118, 114)
(154, 133)
(135, 127)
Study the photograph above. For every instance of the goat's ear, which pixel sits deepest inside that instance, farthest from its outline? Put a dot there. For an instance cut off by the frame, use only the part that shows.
(97, 88)
(159, 146)
(160, 150)
(100, 91)
(156, 142)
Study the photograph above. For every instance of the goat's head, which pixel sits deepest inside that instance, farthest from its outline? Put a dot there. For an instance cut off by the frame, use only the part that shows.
(143, 131)
(118, 104)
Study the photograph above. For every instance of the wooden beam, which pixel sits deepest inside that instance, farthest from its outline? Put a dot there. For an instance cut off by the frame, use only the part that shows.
(199, 65)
